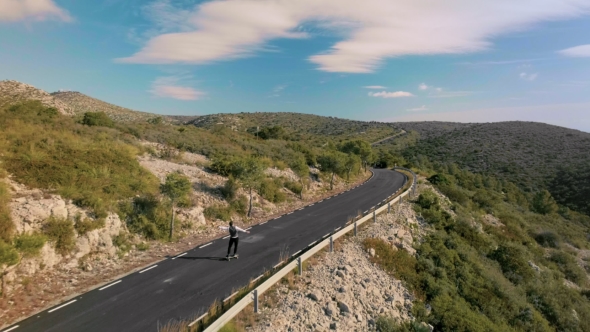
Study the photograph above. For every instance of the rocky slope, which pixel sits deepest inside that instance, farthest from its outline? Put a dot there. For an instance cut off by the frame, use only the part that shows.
(345, 290)
(13, 92)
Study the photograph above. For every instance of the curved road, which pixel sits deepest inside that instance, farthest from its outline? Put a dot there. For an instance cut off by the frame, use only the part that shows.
(182, 287)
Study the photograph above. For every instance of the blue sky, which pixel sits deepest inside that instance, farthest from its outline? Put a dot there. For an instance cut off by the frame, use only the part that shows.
(384, 60)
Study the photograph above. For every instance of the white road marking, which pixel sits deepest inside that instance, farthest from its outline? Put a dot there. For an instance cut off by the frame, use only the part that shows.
(365, 211)
(311, 204)
(274, 267)
(229, 297)
(311, 244)
(149, 268)
(338, 228)
(321, 201)
(180, 255)
(290, 213)
(249, 228)
(12, 328)
(325, 236)
(262, 223)
(295, 253)
(225, 237)
(198, 319)
(203, 246)
(260, 276)
(107, 286)
(61, 306)
(300, 209)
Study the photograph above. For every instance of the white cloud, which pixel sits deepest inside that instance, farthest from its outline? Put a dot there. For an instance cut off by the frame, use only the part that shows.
(375, 87)
(450, 94)
(371, 30)
(418, 109)
(279, 88)
(385, 94)
(37, 10)
(168, 87)
(423, 86)
(528, 77)
(581, 51)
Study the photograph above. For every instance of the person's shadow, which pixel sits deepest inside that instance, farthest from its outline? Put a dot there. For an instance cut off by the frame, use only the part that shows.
(208, 258)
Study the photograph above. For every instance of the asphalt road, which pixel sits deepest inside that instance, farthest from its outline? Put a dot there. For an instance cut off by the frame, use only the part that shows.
(183, 287)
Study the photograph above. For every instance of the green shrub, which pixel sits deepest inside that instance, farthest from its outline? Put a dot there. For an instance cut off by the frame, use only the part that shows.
(6, 224)
(230, 189)
(147, 215)
(122, 242)
(569, 267)
(8, 255)
(240, 205)
(547, 239)
(86, 225)
(61, 233)
(143, 246)
(30, 245)
(271, 191)
(294, 187)
(97, 119)
(513, 261)
(218, 212)
(427, 199)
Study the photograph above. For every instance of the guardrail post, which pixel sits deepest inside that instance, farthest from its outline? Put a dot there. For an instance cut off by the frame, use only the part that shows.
(374, 216)
(300, 265)
(388, 207)
(401, 198)
(331, 244)
(355, 228)
(256, 301)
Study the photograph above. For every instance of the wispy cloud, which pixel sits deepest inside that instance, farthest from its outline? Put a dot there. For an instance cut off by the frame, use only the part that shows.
(169, 87)
(375, 87)
(581, 51)
(37, 10)
(372, 30)
(440, 93)
(279, 88)
(500, 62)
(418, 109)
(423, 86)
(528, 77)
(385, 94)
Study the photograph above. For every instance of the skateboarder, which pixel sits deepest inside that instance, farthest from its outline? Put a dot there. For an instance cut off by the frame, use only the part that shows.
(233, 237)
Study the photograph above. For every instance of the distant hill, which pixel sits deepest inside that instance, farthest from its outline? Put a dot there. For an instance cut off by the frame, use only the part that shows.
(12, 92)
(301, 126)
(80, 103)
(530, 154)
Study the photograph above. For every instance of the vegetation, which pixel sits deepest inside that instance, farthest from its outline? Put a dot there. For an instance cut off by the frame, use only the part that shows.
(30, 245)
(83, 226)
(482, 277)
(176, 187)
(61, 233)
(97, 119)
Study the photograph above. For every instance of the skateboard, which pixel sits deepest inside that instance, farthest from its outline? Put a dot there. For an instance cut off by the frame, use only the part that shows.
(232, 257)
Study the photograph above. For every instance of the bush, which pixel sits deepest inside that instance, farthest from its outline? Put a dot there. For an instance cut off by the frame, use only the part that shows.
(86, 225)
(8, 255)
(30, 245)
(148, 216)
(61, 233)
(230, 189)
(271, 191)
(294, 187)
(122, 242)
(240, 205)
(427, 199)
(513, 263)
(218, 212)
(568, 266)
(6, 224)
(97, 119)
(547, 239)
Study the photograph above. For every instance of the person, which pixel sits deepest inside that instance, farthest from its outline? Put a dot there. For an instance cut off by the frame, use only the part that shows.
(233, 237)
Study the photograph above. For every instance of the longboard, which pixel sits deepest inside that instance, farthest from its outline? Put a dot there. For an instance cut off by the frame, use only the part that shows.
(232, 257)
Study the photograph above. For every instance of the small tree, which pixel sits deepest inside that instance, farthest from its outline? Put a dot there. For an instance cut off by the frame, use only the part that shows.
(176, 187)
(249, 171)
(352, 162)
(361, 148)
(543, 203)
(333, 162)
(299, 166)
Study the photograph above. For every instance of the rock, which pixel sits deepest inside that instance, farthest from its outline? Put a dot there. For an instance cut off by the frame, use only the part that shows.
(344, 308)
(342, 289)
(333, 326)
(329, 309)
(372, 252)
(340, 274)
(314, 296)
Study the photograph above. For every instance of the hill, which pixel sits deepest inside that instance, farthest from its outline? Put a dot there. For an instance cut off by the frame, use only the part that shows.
(12, 92)
(300, 126)
(532, 155)
(80, 103)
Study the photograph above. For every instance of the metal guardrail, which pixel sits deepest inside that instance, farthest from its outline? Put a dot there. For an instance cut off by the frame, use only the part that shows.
(253, 295)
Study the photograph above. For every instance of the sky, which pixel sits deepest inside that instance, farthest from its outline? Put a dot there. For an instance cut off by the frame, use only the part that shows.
(372, 60)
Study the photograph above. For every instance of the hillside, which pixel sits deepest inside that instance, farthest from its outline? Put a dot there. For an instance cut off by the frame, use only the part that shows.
(80, 103)
(530, 154)
(14, 92)
(300, 126)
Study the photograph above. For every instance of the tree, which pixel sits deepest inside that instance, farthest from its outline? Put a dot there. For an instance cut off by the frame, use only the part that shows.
(333, 162)
(97, 119)
(299, 166)
(543, 203)
(352, 161)
(361, 148)
(177, 186)
(249, 171)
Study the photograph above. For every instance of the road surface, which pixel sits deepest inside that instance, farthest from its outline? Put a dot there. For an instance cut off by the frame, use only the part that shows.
(183, 287)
